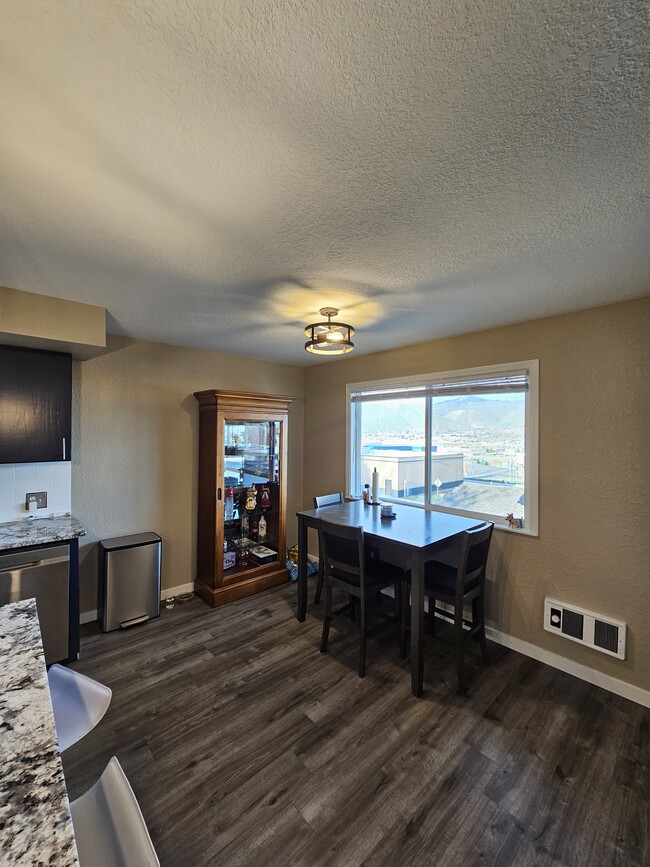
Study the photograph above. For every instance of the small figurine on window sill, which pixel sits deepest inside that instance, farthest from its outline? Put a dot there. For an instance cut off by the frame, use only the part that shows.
(515, 523)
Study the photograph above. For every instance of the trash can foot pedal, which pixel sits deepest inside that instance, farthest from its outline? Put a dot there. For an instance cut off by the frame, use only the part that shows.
(126, 623)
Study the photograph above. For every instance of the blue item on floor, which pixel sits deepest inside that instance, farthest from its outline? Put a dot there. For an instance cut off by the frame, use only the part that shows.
(312, 569)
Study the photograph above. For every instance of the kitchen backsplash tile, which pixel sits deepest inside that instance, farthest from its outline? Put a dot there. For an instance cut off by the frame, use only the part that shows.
(44, 481)
(61, 488)
(18, 479)
(7, 491)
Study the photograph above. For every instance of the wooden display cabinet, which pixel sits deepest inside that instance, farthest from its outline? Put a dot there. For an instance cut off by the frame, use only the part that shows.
(243, 447)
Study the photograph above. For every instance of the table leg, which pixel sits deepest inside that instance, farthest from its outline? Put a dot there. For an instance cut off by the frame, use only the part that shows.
(301, 612)
(417, 624)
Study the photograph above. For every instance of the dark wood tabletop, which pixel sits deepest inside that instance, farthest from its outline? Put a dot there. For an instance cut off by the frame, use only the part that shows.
(419, 533)
(411, 528)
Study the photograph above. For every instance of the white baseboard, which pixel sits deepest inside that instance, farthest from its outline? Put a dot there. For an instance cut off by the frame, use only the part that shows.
(590, 675)
(90, 616)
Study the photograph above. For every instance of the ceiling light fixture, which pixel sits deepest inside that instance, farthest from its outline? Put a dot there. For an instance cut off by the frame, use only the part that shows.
(329, 338)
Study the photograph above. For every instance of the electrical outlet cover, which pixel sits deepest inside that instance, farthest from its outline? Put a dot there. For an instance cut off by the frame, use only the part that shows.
(39, 497)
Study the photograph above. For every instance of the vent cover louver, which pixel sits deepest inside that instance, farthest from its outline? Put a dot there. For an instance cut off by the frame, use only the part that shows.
(585, 627)
(606, 635)
(573, 624)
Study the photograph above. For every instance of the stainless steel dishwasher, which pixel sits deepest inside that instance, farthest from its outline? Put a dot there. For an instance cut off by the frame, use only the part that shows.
(42, 574)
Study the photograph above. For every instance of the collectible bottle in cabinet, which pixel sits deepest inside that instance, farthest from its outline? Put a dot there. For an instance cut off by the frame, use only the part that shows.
(251, 499)
(230, 504)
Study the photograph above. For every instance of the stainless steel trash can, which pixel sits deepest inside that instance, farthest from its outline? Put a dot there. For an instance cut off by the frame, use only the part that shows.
(129, 575)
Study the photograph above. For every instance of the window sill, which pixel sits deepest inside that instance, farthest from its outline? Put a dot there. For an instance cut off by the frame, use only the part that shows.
(517, 531)
(505, 527)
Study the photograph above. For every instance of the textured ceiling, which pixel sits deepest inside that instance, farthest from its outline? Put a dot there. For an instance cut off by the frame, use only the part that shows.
(213, 173)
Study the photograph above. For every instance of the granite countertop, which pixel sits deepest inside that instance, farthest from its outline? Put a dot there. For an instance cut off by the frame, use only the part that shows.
(34, 809)
(40, 531)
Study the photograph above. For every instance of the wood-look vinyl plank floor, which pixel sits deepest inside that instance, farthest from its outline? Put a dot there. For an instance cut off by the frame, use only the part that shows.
(246, 746)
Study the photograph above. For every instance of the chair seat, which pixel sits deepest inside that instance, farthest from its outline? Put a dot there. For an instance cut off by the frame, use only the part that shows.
(108, 826)
(441, 578)
(78, 703)
(378, 574)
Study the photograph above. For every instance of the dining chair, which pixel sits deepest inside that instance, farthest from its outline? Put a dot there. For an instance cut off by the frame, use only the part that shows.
(347, 567)
(108, 825)
(78, 703)
(319, 503)
(458, 586)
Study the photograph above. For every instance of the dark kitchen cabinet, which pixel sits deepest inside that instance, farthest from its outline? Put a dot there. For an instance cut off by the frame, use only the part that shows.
(35, 406)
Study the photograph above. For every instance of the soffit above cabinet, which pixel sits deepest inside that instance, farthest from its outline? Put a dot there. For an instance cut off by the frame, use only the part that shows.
(41, 322)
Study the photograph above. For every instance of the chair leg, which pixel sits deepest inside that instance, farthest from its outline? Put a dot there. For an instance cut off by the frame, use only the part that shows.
(404, 613)
(362, 646)
(460, 654)
(319, 581)
(399, 603)
(327, 618)
(432, 613)
(478, 616)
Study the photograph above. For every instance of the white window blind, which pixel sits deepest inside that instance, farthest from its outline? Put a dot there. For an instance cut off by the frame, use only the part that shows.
(517, 381)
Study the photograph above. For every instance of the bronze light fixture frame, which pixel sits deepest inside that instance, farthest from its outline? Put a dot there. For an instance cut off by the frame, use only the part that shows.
(329, 338)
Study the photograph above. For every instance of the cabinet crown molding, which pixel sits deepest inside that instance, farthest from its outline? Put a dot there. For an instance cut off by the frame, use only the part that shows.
(242, 400)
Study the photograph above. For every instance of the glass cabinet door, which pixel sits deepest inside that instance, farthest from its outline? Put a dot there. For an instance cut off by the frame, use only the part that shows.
(251, 498)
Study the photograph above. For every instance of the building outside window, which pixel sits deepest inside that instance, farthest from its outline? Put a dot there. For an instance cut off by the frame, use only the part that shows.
(463, 441)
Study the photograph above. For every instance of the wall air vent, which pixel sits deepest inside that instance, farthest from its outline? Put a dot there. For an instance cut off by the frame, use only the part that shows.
(576, 624)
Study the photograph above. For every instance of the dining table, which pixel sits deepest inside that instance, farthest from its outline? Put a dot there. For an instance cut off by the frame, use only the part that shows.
(413, 536)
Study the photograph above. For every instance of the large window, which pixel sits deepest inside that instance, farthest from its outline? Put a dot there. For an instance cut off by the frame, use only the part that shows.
(464, 441)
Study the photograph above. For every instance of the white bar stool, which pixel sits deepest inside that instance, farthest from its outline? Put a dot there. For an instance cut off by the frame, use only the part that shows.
(78, 702)
(108, 825)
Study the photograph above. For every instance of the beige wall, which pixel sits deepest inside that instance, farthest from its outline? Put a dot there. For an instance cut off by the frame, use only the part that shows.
(592, 548)
(135, 445)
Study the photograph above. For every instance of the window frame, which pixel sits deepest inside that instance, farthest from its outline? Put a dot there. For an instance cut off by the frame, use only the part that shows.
(531, 435)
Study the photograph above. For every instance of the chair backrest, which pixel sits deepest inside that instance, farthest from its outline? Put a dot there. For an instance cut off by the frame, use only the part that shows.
(342, 550)
(473, 557)
(108, 825)
(328, 500)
